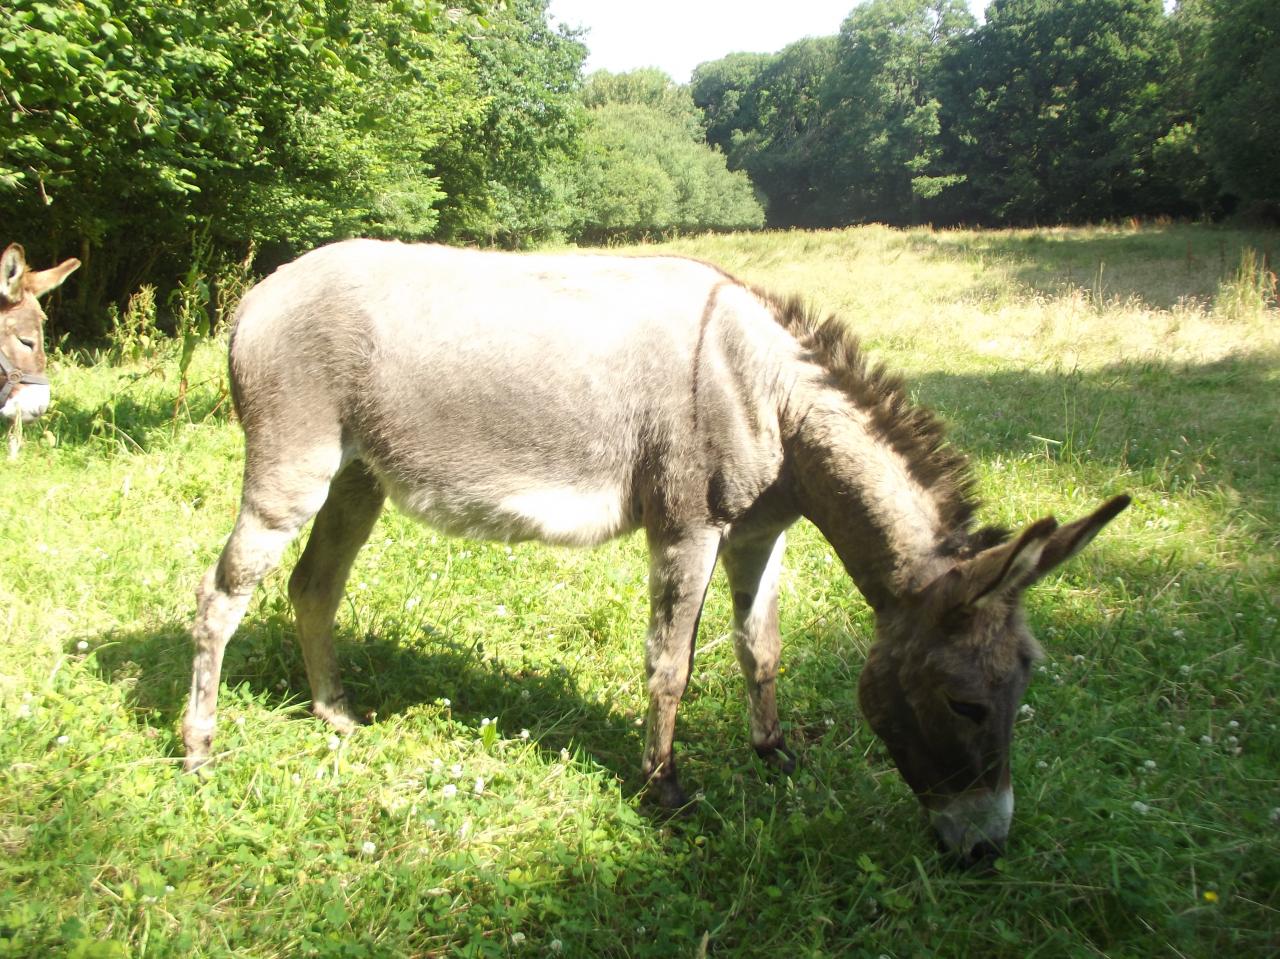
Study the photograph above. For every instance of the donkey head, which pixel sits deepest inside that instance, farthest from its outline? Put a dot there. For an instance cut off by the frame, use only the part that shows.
(24, 392)
(948, 669)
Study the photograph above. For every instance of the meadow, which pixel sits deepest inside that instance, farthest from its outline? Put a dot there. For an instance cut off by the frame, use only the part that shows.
(491, 807)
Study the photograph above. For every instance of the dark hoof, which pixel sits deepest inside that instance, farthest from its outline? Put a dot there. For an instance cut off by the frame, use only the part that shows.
(667, 795)
(778, 757)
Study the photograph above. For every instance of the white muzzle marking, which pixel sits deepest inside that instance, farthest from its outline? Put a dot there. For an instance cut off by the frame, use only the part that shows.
(974, 817)
(27, 402)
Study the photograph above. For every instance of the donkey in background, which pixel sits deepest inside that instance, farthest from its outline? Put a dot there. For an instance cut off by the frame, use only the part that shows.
(24, 390)
(573, 398)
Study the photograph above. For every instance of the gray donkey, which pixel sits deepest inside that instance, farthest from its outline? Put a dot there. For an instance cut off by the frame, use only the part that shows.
(573, 398)
(24, 390)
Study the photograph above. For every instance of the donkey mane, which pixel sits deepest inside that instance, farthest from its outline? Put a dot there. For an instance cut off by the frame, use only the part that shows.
(913, 431)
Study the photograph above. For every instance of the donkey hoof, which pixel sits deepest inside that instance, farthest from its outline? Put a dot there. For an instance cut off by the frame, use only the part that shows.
(778, 757)
(668, 795)
(337, 715)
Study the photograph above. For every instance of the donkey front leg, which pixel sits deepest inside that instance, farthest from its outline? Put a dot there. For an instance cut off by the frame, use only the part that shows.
(753, 568)
(315, 587)
(680, 569)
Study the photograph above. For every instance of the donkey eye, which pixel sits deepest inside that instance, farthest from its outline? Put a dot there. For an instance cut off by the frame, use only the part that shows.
(975, 712)
(29, 344)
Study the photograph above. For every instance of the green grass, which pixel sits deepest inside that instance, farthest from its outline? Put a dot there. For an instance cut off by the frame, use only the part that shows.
(1071, 364)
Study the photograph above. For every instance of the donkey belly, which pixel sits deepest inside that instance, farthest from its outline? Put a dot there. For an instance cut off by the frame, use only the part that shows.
(562, 514)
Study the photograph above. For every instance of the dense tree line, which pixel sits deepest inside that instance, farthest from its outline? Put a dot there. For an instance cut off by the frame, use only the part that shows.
(165, 141)
(1050, 111)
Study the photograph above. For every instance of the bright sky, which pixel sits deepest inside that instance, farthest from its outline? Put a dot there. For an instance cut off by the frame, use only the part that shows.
(677, 35)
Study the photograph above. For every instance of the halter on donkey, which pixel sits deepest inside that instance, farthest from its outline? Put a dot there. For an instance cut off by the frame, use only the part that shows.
(24, 390)
(574, 398)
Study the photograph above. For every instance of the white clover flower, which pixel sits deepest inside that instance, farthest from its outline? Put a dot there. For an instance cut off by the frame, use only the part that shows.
(524, 734)
(1027, 710)
(465, 830)
(455, 770)
(478, 788)
(240, 721)
(82, 645)
(1178, 634)
(295, 779)
(334, 743)
(1141, 808)
(555, 945)
(362, 585)
(564, 755)
(437, 764)
(1149, 764)
(1078, 659)
(450, 790)
(500, 610)
(1233, 724)
(1185, 670)
(517, 939)
(1041, 764)
(446, 702)
(411, 602)
(524, 694)
(828, 722)
(484, 722)
(24, 710)
(1206, 740)
(63, 740)
(367, 848)
(1275, 814)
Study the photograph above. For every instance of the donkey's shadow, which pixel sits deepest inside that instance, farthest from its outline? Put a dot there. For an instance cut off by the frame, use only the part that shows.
(384, 676)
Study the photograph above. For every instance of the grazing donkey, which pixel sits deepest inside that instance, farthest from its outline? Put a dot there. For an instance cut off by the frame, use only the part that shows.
(24, 390)
(573, 398)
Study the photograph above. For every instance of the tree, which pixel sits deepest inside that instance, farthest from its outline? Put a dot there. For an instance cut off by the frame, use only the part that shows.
(645, 167)
(1057, 106)
(882, 140)
(1238, 91)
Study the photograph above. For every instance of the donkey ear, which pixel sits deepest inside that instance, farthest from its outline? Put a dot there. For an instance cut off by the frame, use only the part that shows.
(13, 264)
(41, 283)
(1004, 569)
(1072, 538)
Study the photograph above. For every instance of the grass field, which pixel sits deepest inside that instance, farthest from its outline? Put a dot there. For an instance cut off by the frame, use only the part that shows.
(490, 807)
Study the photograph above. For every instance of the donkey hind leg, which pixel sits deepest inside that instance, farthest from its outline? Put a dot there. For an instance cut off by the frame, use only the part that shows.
(273, 508)
(753, 569)
(315, 587)
(679, 571)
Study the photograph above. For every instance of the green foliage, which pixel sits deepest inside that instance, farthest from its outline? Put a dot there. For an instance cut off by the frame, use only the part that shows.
(273, 126)
(1238, 82)
(882, 145)
(765, 112)
(644, 168)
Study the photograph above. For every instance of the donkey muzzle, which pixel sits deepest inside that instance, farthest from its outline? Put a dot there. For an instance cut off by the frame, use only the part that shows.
(26, 401)
(975, 825)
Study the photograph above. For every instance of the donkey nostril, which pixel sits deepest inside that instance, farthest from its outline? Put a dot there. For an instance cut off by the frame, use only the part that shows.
(985, 852)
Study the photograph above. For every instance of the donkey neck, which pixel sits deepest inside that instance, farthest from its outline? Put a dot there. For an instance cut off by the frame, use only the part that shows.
(866, 495)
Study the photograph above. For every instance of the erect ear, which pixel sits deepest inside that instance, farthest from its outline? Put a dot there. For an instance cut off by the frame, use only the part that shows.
(1004, 569)
(41, 283)
(1070, 539)
(13, 264)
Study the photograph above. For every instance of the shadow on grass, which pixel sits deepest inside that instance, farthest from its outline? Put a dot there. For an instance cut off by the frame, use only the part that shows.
(1184, 424)
(1158, 266)
(383, 675)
